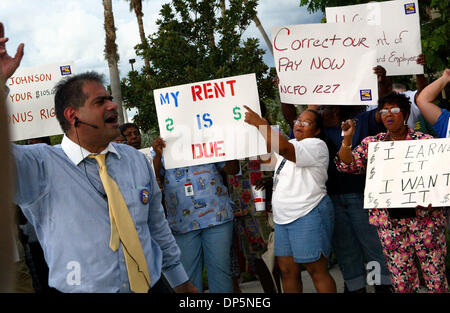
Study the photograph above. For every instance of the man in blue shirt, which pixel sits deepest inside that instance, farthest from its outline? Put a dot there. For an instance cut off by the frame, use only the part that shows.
(60, 192)
(439, 118)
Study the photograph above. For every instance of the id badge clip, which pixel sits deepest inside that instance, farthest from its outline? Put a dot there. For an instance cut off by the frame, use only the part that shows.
(188, 189)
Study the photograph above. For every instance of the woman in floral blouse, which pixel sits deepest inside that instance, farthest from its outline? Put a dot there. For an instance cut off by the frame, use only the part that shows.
(406, 234)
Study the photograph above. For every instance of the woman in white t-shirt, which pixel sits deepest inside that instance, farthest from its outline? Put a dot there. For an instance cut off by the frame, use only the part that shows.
(302, 211)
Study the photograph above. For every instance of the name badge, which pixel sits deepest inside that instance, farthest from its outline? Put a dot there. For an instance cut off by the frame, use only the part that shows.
(144, 196)
(188, 190)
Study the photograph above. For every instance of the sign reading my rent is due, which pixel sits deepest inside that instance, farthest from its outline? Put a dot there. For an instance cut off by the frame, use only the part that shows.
(326, 64)
(204, 122)
(30, 101)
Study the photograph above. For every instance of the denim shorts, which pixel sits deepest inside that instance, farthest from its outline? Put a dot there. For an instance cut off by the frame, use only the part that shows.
(307, 237)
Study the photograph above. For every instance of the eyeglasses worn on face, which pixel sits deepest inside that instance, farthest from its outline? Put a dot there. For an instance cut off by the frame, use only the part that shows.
(392, 110)
(302, 123)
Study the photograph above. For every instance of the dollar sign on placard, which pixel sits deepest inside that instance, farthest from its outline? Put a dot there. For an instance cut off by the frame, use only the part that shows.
(237, 114)
(388, 203)
(169, 125)
(370, 197)
(375, 203)
(376, 148)
(372, 172)
(445, 198)
(372, 158)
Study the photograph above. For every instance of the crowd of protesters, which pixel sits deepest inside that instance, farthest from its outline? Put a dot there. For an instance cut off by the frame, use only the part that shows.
(314, 201)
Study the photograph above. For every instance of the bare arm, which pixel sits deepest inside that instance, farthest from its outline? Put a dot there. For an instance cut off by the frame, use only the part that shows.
(421, 81)
(429, 110)
(158, 146)
(345, 152)
(384, 82)
(284, 147)
(289, 113)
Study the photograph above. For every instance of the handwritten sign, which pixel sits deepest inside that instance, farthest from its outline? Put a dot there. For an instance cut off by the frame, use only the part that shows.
(30, 102)
(326, 64)
(398, 39)
(204, 122)
(408, 173)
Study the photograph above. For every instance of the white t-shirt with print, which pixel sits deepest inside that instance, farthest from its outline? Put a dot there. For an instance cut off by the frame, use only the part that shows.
(300, 186)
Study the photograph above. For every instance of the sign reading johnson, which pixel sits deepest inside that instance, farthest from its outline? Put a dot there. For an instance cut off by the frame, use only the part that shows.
(204, 122)
(30, 101)
(408, 173)
(326, 64)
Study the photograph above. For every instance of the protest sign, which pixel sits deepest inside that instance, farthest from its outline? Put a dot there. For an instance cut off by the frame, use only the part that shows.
(204, 122)
(326, 64)
(30, 101)
(408, 173)
(398, 38)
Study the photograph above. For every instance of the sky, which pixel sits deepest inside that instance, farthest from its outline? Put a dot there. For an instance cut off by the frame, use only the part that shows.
(56, 31)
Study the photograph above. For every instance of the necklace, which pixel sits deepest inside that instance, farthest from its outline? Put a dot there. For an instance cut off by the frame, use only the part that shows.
(401, 137)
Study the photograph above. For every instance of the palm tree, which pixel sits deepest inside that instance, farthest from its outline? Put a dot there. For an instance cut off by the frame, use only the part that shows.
(112, 57)
(136, 6)
(262, 31)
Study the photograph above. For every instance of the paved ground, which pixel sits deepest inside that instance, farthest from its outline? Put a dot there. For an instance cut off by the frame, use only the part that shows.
(308, 287)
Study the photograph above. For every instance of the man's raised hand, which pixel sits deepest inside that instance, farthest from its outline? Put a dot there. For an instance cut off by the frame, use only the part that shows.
(8, 65)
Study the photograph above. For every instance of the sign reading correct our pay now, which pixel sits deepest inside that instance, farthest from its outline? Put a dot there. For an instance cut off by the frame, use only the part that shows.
(326, 64)
(204, 122)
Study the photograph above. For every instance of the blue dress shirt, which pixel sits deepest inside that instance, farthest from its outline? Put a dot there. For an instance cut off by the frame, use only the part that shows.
(61, 194)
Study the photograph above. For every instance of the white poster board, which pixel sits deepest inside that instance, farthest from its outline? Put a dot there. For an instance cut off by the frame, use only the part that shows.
(30, 102)
(204, 122)
(398, 39)
(408, 173)
(326, 64)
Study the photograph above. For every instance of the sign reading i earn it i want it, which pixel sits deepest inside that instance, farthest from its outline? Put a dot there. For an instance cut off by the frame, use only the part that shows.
(203, 122)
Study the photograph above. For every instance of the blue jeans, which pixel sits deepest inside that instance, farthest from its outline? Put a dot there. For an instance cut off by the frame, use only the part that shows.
(355, 241)
(211, 247)
(308, 237)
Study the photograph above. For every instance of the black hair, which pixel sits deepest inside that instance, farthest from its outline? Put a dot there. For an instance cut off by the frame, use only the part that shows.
(318, 119)
(399, 99)
(125, 126)
(45, 140)
(69, 93)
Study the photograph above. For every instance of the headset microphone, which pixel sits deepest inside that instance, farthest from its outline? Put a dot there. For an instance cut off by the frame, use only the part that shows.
(78, 121)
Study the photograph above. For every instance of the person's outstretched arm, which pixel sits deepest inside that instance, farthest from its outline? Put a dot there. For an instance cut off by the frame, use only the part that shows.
(429, 110)
(284, 147)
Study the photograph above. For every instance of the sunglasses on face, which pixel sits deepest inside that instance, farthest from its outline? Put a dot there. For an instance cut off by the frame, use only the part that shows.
(304, 123)
(392, 110)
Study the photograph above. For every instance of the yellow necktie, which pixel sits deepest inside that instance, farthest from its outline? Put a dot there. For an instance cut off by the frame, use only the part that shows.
(123, 230)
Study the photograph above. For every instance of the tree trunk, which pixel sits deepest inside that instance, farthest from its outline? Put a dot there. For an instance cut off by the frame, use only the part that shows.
(112, 57)
(137, 6)
(262, 31)
(223, 7)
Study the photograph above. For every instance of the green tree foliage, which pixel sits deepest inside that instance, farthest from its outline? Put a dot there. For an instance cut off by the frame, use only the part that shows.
(194, 43)
(435, 28)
